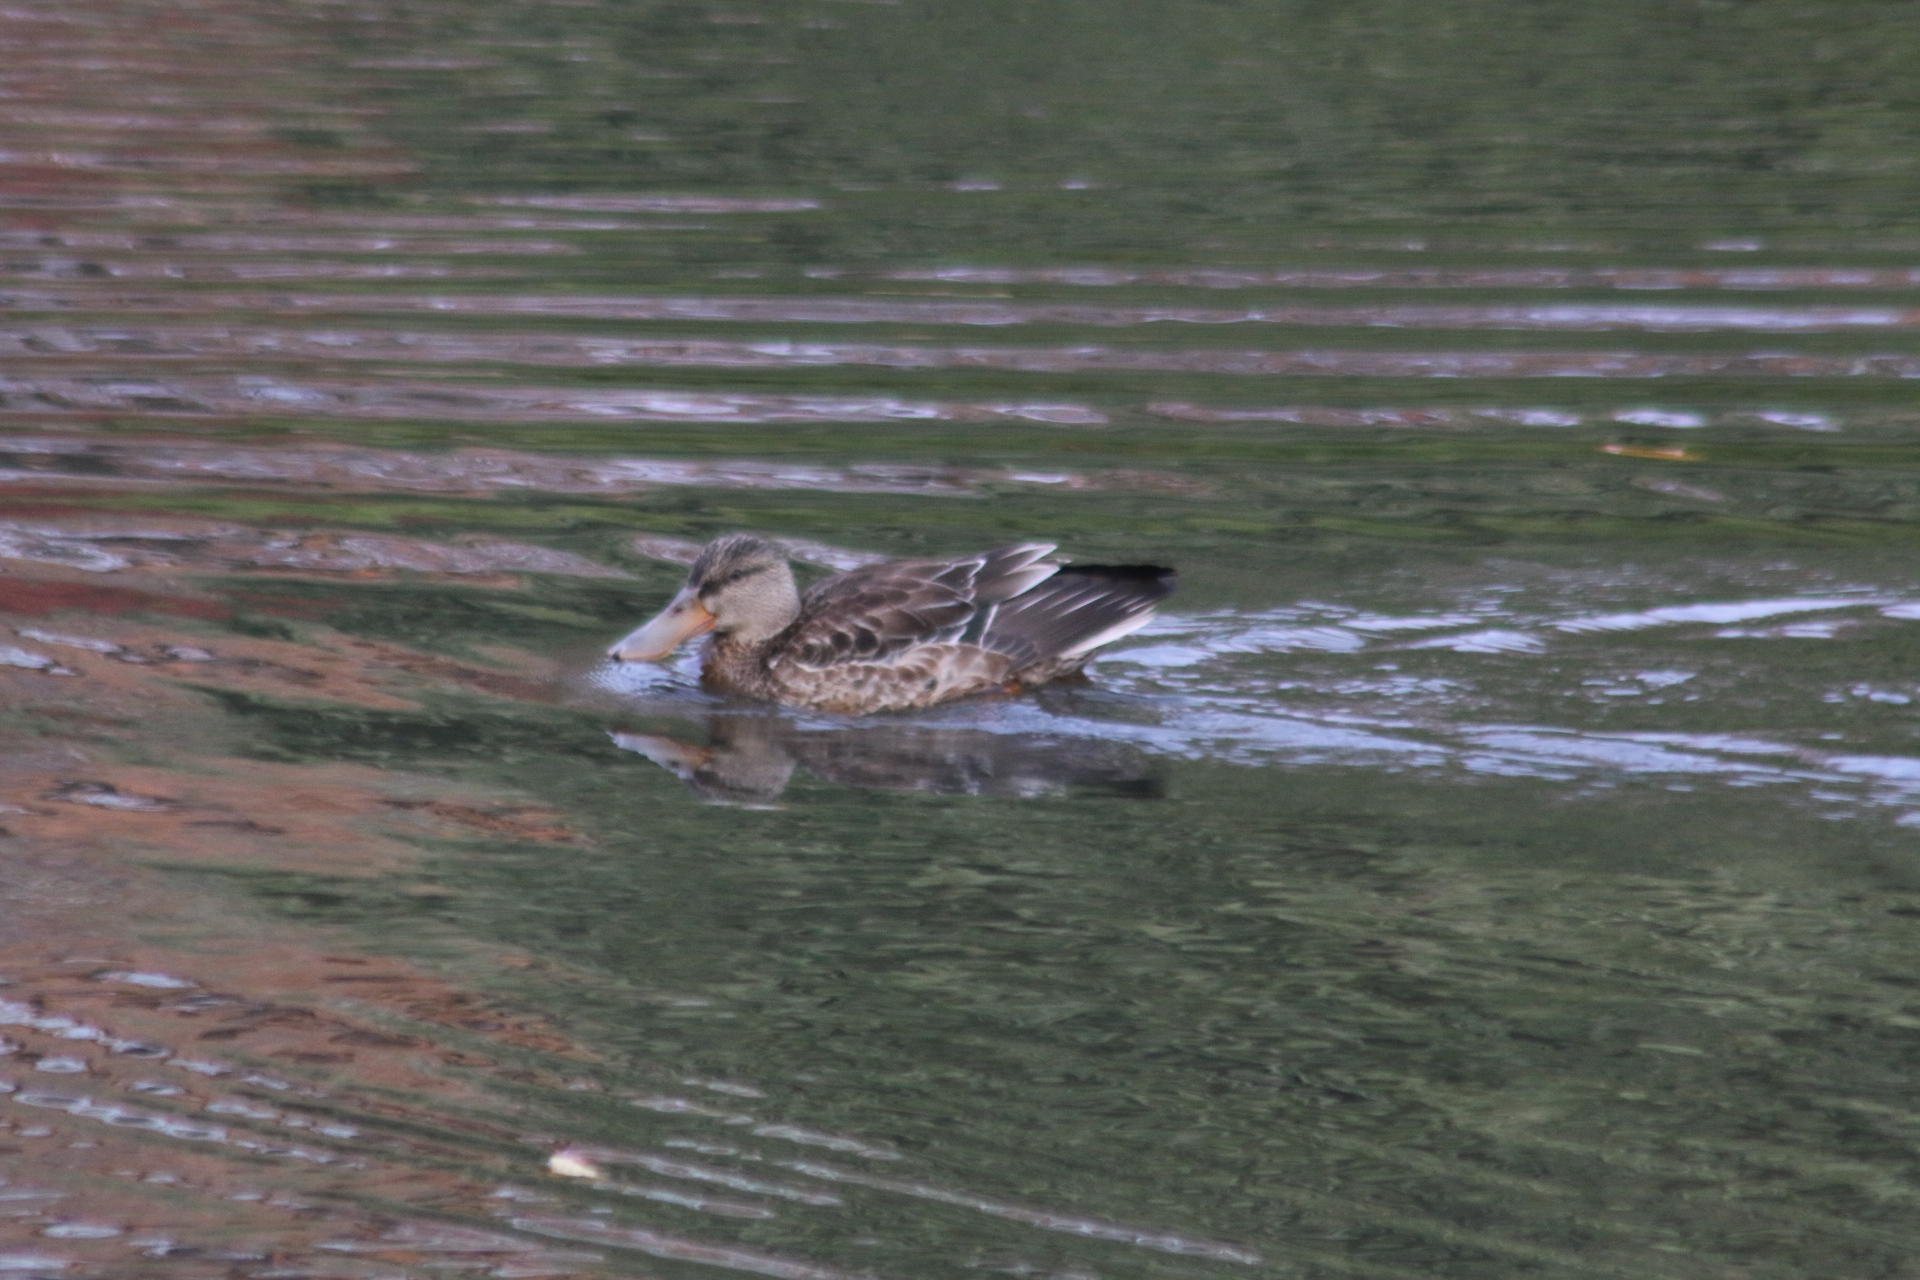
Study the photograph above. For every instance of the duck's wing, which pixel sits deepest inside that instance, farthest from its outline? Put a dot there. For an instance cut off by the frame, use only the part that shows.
(1058, 624)
(882, 612)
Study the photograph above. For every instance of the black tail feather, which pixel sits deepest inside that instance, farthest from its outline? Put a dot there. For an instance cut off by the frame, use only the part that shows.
(1076, 605)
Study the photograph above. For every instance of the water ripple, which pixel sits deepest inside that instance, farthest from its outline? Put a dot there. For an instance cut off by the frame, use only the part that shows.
(182, 342)
(831, 310)
(1201, 277)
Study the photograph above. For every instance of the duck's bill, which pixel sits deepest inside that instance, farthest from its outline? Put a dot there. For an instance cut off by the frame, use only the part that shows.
(683, 618)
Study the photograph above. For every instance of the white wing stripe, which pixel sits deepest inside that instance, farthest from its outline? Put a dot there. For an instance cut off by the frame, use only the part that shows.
(1124, 627)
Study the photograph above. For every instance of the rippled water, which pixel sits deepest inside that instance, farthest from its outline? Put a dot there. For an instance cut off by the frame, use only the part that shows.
(1499, 859)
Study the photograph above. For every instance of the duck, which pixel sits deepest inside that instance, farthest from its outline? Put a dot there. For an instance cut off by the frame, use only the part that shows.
(899, 635)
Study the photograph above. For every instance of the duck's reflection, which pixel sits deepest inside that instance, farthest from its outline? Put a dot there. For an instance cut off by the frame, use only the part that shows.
(748, 758)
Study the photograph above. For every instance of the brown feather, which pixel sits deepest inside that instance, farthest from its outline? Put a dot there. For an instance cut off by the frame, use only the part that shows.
(912, 633)
(882, 610)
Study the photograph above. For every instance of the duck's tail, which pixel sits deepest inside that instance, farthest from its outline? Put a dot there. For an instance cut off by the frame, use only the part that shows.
(1054, 627)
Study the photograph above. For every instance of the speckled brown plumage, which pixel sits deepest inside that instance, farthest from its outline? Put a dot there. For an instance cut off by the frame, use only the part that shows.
(897, 635)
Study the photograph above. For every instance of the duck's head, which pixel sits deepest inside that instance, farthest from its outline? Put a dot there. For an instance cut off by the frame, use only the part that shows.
(741, 588)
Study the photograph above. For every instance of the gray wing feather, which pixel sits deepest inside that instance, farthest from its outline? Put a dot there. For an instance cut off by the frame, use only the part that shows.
(878, 613)
(1075, 611)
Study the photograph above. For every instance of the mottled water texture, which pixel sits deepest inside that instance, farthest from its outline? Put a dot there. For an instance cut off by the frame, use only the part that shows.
(1498, 860)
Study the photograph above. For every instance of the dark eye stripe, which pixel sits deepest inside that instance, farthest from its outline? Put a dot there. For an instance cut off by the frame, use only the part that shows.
(711, 583)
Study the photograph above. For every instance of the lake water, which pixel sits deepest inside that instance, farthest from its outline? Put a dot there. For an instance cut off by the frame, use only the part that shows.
(1502, 858)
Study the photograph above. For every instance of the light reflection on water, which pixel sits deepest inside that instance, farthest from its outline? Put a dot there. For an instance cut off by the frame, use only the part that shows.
(1196, 686)
(1498, 857)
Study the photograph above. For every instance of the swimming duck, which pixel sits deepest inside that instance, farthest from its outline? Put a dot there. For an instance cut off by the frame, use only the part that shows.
(896, 635)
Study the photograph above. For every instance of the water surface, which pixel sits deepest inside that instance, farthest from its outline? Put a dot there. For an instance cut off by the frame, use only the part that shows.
(1499, 858)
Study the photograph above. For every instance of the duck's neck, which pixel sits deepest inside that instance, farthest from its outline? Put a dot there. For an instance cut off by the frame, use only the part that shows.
(733, 665)
(758, 613)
